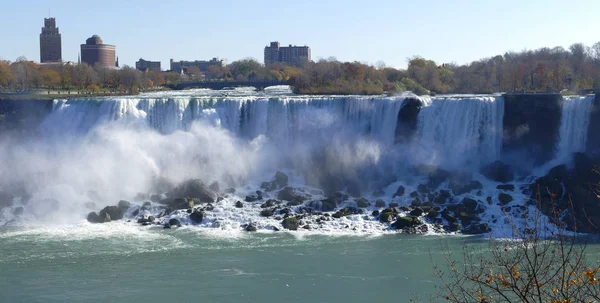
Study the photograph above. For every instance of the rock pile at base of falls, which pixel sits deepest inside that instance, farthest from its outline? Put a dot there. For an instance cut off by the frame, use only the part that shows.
(571, 192)
(429, 208)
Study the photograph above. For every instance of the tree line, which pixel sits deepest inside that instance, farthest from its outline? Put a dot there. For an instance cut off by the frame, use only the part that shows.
(542, 70)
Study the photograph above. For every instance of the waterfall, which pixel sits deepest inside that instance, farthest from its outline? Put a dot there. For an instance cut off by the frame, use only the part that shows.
(460, 132)
(282, 118)
(574, 123)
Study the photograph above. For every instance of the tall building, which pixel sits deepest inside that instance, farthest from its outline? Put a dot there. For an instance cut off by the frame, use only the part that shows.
(94, 51)
(291, 55)
(143, 65)
(50, 42)
(182, 66)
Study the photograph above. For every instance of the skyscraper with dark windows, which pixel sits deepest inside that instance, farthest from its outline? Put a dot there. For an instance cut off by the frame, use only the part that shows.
(50, 42)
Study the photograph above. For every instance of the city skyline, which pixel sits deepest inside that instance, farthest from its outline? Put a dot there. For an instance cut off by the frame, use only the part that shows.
(384, 31)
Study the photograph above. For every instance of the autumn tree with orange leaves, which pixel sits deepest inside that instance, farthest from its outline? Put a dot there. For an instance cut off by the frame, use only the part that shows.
(541, 263)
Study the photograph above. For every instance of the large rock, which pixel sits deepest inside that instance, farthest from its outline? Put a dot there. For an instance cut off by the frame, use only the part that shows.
(387, 216)
(94, 218)
(435, 175)
(195, 189)
(499, 172)
(328, 204)
(362, 203)
(508, 187)
(266, 213)
(460, 189)
(504, 198)
(114, 212)
(196, 217)
(399, 192)
(571, 193)
(469, 205)
(406, 222)
(290, 223)
(477, 228)
(178, 203)
(290, 194)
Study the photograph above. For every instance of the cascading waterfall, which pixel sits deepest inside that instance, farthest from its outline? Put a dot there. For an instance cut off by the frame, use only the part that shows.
(102, 150)
(574, 124)
(461, 132)
(281, 118)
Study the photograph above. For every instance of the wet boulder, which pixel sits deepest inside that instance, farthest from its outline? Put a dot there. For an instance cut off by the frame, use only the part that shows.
(505, 198)
(422, 189)
(269, 203)
(362, 203)
(499, 172)
(251, 228)
(469, 205)
(417, 212)
(172, 223)
(379, 203)
(387, 216)
(93, 217)
(266, 213)
(406, 222)
(196, 216)
(290, 223)
(177, 203)
(436, 176)
(507, 187)
(114, 213)
(252, 198)
(290, 194)
(239, 204)
(399, 192)
(196, 189)
(476, 229)
(328, 204)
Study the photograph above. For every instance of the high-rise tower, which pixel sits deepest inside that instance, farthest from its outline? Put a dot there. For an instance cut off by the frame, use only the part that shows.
(50, 42)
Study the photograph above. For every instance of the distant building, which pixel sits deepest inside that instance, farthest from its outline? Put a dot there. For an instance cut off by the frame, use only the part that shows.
(182, 66)
(143, 65)
(291, 55)
(95, 52)
(50, 42)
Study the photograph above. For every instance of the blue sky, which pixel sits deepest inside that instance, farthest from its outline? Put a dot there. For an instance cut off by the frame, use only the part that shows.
(366, 31)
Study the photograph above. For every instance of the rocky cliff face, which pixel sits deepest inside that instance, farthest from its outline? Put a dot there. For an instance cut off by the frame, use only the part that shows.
(531, 125)
(593, 142)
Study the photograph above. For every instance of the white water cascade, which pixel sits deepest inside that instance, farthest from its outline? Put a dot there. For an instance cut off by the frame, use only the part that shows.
(574, 124)
(461, 132)
(279, 118)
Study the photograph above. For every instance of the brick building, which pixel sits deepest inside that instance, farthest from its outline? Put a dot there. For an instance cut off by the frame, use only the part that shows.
(291, 55)
(143, 65)
(182, 66)
(50, 42)
(94, 51)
